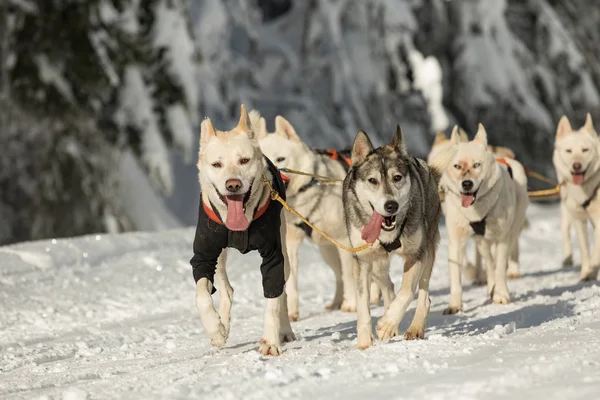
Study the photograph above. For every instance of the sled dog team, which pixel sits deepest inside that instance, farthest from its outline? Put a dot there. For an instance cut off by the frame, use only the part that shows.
(390, 201)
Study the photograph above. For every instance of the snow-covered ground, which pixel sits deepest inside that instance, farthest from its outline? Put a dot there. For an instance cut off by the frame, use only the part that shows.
(104, 317)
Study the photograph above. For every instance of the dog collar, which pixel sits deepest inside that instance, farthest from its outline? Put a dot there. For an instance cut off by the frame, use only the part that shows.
(591, 198)
(213, 216)
(396, 244)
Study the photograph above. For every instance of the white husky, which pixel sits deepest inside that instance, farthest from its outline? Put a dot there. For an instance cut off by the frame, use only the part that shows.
(320, 204)
(236, 211)
(482, 200)
(577, 161)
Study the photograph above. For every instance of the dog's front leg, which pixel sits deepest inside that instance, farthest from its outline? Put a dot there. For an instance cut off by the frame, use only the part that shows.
(293, 239)
(226, 291)
(584, 246)
(387, 326)
(454, 263)
(364, 329)
(484, 247)
(349, 280)
(208, 315)
(287, 334)
(565, 229)
(500, 292)
(270, 343)
(514, 270)
(595, 261)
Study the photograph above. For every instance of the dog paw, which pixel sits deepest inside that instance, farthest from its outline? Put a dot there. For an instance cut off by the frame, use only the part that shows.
(219, 338)
(268, 349)
(294, 316)
(333, 306)
(500, 297)
(348, 306)
(567, 261)
(364, 342)
(513, 275)
(451, 310)
(287, 337)
(386, 328)
(413, 333)
(480, 281)
(587, 276)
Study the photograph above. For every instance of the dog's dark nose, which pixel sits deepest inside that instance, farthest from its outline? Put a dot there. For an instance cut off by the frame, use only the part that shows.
(233, 185)
(467, 185)
(391, 206)
(577, 166)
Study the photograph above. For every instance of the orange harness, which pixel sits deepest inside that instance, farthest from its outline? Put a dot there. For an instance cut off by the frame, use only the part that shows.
(335, 155)
(503, 161)
(215, 218)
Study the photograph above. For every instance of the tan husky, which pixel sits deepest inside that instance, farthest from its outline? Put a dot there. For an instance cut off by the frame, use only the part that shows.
(486, 200)
(236, 211)
(577, 161)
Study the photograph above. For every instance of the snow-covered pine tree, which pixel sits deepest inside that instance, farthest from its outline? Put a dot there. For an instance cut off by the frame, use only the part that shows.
(83, 82)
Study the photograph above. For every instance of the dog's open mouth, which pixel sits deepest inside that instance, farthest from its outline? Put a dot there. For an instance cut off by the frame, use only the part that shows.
(376, 224)
(236, 209)
(467, 199)
(578, 177)
(389, 223)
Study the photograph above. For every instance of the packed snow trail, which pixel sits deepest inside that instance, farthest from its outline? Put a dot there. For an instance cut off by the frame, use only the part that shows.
(104, 317)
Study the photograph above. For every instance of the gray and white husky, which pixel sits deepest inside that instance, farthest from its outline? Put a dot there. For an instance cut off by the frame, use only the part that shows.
(391, 200)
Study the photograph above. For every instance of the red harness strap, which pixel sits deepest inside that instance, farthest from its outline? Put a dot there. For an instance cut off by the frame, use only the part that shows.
(503, 161)
(335, 156)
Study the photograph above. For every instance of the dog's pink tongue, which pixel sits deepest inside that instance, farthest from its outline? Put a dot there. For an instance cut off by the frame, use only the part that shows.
(577, 179)
(467, 200)
(370, 232)
(236, 220)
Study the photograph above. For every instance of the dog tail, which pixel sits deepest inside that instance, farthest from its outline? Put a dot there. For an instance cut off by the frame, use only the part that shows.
(259, 125)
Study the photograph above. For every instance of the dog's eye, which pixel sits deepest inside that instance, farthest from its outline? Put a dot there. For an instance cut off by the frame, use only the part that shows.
(569, 151)
(476, 165)
(397, 178)
(457, 166)
(244, 160)
(585, 150)
(373, 181)
(280, 159)
(217, 164)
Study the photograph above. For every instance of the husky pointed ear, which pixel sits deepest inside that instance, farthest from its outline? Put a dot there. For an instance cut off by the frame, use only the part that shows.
(261, 130)
(398, 141)
(285, 129)
(464, 138)
(481, 136)
(207, 131)
(245, 125)
(455, 136)
(589, 125)
(440, 137)
(361, 147)
(564, 127)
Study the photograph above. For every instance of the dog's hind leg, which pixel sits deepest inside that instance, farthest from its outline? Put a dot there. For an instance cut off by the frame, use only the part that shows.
(293, 240)
(416, 330)
(454, 263)
(565, 230)
(375, 293)
(331, 257)
(364, 329)
(387, 326)
(226, 291)
(513, 271)
(381, 279)
(348, 265)
(208, 315)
